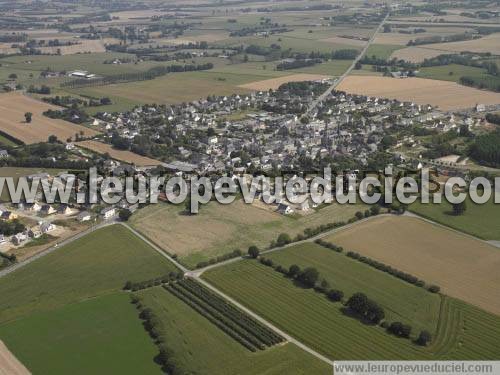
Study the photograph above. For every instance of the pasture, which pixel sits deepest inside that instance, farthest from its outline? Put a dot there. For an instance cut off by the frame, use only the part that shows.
(463, 267)
(443, 94)
(96, 264)
(122, 155)
(201, 347)
(400, 300)
(98, 335)
(219, 229)
(13, 107)
(319, 323)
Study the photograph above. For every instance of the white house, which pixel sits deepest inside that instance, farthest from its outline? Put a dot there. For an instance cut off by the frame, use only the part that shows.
(84, 216)
(108, 212)
(47, 209)
(47, 227)
(285, 209)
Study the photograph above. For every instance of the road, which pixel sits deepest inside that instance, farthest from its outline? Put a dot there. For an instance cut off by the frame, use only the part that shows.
(339, 80)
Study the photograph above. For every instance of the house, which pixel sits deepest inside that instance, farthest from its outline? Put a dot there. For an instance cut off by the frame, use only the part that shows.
(35, 232)
(108, 212)
(84, 216)
(19, 238)
(285, 209)
(47, 227)
(35, 207)
(63, 209)
(47, 209)
(4, 154)
(8, 215)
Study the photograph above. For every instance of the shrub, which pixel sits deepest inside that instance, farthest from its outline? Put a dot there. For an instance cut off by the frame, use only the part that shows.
(424, 338)
(335, 295)
(434, 289)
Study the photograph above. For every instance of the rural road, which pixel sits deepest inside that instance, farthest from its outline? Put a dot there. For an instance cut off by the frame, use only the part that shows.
(339, 80)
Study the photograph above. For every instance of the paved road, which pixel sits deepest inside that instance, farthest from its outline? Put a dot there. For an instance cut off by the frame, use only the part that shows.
(337, 82)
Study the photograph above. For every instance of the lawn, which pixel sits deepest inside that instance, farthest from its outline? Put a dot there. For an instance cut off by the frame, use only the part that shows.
(401, 301)
(219, 229)
(100, 335)
(464, 332)
(96, 264)
(480, 220)
(202, 348)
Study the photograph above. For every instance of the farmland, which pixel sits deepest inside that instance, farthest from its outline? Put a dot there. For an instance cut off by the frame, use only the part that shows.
(14, 106)
(274, 83)
(445, 95)
(220, 229)
(462, 266)
(311, 318)
(98, 335)
(93, 265)
(126, 156)
(201, 347)
(9, 364)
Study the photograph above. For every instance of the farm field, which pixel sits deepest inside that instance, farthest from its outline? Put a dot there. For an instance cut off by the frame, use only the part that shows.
(381, 51)
(446, 95)
(13, 107)
(219, 229)
(93, 265)
(126, 156)
(417, 54)
(16, 172)
(463, 267)
(201, 347)
(9, 364)
(98, 335)
(453, 72)
(274, 83)
(311, 318)
(478, 220)
(400, 300)
(401, 39)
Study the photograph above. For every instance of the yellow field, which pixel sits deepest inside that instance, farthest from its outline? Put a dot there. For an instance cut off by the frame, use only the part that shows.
(13, 106)
(446, 95)
(463, 267)
(82, 47)
(417, 54)
(126, 156)
(274, 83)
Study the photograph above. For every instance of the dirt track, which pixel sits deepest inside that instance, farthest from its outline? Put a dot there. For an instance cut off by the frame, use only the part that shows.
(9, 364)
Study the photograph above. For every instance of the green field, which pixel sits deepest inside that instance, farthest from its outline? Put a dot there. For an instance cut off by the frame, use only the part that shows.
(401, 301)
(480, 220)
(100, 335)
(382, 51)
(202, 348)
(454, 72)
(464, 332)
(96, 264)
(219, 229)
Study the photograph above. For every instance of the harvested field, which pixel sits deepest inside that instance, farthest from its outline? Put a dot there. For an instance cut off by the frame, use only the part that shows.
(9, 364)
(274, 83)
(417, 54)
(13, 106)
(463, 267)
(126, 156)
(446, 95)
(347, 41)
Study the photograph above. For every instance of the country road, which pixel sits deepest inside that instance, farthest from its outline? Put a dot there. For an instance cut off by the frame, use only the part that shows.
(339, 80)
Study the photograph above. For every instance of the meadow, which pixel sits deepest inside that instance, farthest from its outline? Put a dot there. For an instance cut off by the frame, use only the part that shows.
(462, 266)
(219, 229)
(99, 335)
(96, 264)
(310, 317)
(201, 347)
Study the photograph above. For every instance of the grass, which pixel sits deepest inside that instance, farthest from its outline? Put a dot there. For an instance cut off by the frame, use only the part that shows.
(464, 332)
(93, 265)
(478, 220)
(457, 71)
(219, 229)
(401, 301)
(202, 348)
(381, 51)
(100, 335)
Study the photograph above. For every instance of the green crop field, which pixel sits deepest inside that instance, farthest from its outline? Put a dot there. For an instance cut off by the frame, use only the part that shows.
(219, 229)
(454, 72)
(401, 301)
(382, 51)
(463, 330)
(203, 348)
(93, 265)
(481, 221)
(99, 335)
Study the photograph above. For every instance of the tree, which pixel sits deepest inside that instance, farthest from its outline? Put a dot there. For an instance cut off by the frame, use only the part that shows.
(13, 76)
(28, 117)
(283, 239)
(52, 139)
(359, 215)
(358, 65)
(124, 214)
(293, 271)
(309, 276)
(424, 338)
(335, 295)
(459, 208)
(253, 251)
(358, 302)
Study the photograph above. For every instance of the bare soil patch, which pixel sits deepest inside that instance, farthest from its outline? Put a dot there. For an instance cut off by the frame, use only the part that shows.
(463, 267)
(274, 83)
(446, 95)
(126, 156)
(13, 106)
(9, 364)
